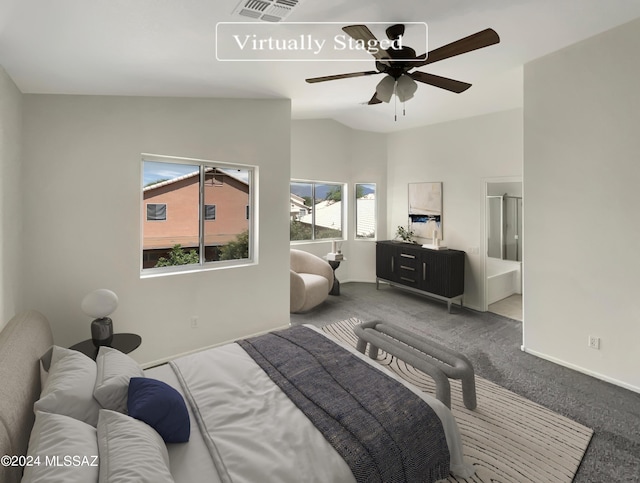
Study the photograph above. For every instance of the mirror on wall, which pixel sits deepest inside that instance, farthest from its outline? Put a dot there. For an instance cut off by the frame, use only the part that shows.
(504, 221)
(425, 209)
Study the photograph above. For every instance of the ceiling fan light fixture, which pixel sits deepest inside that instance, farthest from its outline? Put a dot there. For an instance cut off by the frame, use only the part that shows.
(405, 88)
(386, 88)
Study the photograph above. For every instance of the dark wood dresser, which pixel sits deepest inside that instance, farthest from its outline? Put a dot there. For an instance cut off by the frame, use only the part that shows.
(436, 273)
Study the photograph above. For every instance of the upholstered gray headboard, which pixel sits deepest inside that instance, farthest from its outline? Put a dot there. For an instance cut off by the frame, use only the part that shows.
(22, 342)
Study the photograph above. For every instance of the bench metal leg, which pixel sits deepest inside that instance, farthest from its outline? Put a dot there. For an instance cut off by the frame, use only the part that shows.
(361, 346)
(469, 390)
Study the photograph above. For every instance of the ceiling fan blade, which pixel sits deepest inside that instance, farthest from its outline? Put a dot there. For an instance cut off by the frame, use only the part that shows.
(441, 82)
(359, 32)
(374, 100)
(362, 33)
(476, 41)
(417, 62)
(341, 76)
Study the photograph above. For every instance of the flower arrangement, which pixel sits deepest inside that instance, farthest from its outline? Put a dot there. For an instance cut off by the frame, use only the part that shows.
(405, 234)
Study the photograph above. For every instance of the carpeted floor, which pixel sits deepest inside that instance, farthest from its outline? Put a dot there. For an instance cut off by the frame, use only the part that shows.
(506, 437)
(492, 342)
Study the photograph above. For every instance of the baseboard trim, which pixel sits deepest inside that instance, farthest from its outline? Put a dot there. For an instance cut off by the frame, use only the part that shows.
(164, 360)
(577, 368)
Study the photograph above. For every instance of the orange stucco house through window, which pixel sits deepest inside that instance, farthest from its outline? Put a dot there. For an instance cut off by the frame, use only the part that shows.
(181, 224)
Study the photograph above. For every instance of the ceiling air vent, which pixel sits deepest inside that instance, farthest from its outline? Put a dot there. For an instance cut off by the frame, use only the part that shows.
(266, 10)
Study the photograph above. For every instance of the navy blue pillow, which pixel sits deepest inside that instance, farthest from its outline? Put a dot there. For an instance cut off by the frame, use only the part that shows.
(161, 407)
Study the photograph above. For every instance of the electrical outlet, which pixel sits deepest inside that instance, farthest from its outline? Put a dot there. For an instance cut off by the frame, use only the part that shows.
(194, 321)
(594, 342)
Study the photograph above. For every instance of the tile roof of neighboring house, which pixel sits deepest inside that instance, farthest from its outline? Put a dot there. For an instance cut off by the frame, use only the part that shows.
(366, 217)
(190, 175)
(170, 181)
(328, 214)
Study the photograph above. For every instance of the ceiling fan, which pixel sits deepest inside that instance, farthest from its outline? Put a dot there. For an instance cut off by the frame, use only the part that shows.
(398, 63)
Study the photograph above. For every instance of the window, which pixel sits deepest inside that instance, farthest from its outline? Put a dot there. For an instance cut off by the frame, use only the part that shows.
(156, 212)
(196, 192)
(365, 211)
(316, 210)
(210, 212)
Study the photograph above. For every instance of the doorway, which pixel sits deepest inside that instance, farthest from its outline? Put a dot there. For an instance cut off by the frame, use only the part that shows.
(503, 254)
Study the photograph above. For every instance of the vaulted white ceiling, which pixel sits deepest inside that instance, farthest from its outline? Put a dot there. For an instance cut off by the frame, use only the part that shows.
(167, 48)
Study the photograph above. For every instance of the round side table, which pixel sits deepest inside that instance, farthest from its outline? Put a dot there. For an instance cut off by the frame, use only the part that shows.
(335, 290)
(124, 342)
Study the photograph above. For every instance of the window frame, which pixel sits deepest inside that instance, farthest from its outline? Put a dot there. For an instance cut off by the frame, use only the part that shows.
(202, 265)
(343, 210)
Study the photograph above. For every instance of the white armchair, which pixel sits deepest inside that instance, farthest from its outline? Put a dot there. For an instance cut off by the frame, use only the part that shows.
(311, 280)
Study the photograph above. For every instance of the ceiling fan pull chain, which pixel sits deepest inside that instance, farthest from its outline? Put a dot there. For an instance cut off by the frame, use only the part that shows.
(395, 101)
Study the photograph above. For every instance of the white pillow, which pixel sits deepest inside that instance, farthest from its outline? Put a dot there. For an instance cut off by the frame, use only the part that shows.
(61, 449)
(114, 369)
(130, 451)
(68, 389)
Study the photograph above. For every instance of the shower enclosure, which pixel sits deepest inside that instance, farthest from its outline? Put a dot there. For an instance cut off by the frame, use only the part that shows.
(504, 239)
(504, 227)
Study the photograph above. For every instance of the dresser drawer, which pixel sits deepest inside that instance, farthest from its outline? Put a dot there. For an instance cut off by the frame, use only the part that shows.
(408, 268)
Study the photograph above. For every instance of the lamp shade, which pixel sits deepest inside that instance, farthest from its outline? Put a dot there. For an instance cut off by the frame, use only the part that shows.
(405, 88)
(385, 88)
(99, 303)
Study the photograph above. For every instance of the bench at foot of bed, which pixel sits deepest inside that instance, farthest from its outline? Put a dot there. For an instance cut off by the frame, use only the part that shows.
(440, 362)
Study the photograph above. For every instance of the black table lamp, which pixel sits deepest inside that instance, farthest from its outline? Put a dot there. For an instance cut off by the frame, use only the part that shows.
(100, 304)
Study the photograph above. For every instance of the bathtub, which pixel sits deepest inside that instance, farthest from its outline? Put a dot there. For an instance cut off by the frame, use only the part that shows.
(504, 278)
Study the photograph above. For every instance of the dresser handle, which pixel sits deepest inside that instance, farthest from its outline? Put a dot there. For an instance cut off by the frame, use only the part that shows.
(406, 255)
(408, 268)
(408, 279)
(392, 264)
(424, 270)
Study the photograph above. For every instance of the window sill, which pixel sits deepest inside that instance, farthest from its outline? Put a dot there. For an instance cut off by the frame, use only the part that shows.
(183, 270)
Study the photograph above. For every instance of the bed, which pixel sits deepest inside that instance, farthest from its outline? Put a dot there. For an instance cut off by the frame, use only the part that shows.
(220, 415)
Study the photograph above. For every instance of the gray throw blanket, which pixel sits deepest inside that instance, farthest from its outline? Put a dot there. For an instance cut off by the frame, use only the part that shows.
(381, 429)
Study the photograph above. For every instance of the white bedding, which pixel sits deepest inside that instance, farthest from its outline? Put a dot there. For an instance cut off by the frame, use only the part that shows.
(188, 461)
(259, 434)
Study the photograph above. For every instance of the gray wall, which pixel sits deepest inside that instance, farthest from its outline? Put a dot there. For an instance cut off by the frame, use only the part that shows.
(463, 155)
(325, 150)
(10, 182)
(582, 196)
(81, 210)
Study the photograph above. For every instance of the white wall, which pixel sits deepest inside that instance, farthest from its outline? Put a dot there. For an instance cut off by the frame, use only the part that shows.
(325, 150)
(10, 181)
(462, 155)
(81, 208)
(368, 165)
(507, 188)
(582, 192)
